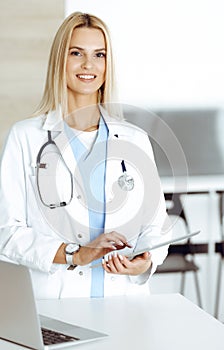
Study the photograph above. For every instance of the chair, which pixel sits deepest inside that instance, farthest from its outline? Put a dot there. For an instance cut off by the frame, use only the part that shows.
(180, 257)
(219, 248)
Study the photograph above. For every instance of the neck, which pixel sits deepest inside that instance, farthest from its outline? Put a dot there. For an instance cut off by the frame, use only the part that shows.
(83, 111)
(85, 118)
(77, 101)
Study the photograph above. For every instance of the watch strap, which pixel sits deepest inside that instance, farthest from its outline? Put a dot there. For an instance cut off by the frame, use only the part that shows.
(69, 259)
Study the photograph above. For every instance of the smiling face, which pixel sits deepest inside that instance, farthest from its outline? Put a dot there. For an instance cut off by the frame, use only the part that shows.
(86, 64)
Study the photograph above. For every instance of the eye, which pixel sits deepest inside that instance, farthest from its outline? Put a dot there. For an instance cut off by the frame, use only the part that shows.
(75, 53)
(100, 54)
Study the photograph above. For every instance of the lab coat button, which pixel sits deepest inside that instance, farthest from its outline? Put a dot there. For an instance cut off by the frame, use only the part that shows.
(112, 278)
(79, 235)
(110, 197)
(79, 196)
(80, 273)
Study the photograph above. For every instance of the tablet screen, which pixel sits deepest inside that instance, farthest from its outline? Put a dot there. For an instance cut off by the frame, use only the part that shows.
(149, 248)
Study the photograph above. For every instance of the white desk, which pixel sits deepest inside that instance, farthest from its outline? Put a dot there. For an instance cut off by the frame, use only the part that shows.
(204, 183)
(156, 322)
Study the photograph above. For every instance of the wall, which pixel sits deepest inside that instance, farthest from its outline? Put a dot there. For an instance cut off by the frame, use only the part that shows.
(168, 53)
(27, 28)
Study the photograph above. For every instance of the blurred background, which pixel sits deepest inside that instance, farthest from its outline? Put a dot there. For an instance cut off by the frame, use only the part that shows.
(169, 58)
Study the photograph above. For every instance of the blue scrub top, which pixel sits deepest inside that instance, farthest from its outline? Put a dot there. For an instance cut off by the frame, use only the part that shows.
(92, 167)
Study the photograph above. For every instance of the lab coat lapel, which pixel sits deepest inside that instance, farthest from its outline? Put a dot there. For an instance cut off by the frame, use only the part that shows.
(63, 144)
(55, 123)
(68, 224)
(123, 208)
(113, 170)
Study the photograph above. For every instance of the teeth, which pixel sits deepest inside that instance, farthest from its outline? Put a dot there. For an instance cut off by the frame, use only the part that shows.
(82, 76)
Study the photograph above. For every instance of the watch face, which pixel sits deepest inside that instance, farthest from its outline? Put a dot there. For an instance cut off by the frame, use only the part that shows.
(71, 248)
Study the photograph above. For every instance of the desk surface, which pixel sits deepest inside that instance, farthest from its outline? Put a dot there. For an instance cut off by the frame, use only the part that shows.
(156, 322)
(196, 184)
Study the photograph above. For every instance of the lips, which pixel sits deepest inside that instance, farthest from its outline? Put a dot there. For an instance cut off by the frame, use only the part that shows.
(86, 77)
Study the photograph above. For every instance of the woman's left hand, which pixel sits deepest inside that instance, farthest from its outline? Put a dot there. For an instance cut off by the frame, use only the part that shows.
(121, 265)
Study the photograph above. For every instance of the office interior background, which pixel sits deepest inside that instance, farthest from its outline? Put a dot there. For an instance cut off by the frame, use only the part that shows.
(169, 59)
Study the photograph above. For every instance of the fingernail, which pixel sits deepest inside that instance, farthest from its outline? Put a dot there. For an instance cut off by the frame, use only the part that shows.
(103, 261)
(110, 256)
(115, 254)
(121, 257)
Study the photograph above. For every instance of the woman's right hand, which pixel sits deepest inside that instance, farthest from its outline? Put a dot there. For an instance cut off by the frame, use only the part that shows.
(96, 249)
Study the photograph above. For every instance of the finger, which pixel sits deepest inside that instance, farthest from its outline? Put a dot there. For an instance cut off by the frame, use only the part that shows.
(125, 261)
(146, 256)
(116, 245)
(103, 243)
(117, 264)
(106, 266)
(111, 265)
(142, 260)
(118, 238)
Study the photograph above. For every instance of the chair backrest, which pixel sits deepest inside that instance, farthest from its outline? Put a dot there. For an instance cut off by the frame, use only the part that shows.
(219, 246)
(221, 212)
(175, 208)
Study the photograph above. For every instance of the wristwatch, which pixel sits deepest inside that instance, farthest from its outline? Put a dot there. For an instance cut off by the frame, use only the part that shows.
(70, 250)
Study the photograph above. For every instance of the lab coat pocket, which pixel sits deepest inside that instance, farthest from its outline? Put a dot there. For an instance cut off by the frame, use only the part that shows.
(33, 202)
(40, 215)
(61, 220)
(123, 207)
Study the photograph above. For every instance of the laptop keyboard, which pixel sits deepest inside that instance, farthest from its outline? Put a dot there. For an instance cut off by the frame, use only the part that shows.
(52, 337)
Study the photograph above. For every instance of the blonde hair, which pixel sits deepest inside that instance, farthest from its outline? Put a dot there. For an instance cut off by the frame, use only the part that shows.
(55, 92)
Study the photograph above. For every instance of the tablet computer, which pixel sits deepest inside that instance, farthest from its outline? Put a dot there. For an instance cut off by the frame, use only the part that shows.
(149, 248)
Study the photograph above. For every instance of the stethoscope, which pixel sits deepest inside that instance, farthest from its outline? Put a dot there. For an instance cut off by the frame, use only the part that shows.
(125, 181)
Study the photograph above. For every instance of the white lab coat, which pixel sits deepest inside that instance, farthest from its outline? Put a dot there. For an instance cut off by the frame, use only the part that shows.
(31, 233)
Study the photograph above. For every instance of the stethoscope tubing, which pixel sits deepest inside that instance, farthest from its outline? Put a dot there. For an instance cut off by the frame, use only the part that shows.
(40, 165)
(125, 181)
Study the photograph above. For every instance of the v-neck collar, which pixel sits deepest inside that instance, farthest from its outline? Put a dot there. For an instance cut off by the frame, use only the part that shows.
(78, 147)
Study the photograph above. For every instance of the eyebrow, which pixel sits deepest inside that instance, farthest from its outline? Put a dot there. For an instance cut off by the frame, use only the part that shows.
(82, 49)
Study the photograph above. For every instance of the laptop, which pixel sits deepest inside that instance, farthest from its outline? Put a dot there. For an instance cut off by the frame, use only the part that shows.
(19, 321)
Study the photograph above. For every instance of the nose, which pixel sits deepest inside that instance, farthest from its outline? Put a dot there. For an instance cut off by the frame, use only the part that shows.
(87, 62)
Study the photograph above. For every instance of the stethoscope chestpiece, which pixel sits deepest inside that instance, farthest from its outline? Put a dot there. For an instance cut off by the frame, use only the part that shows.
(126, 182)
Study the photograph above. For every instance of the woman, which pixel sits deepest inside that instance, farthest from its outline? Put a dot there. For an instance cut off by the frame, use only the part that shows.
(77, 182)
